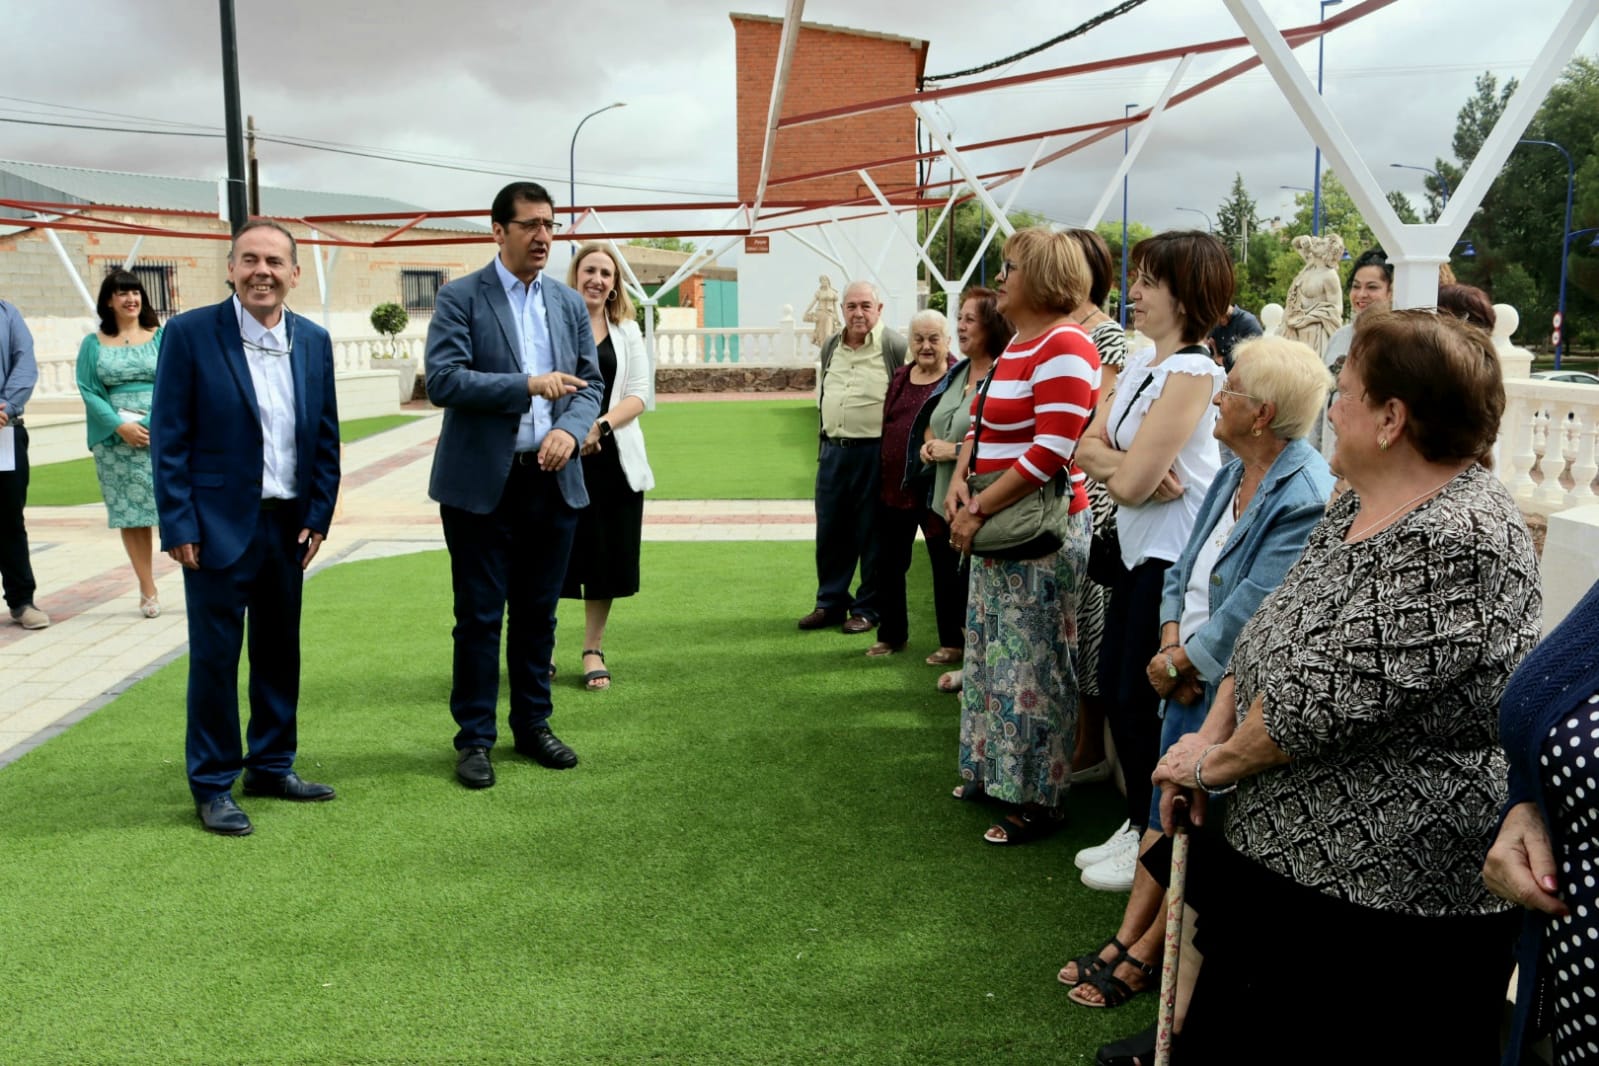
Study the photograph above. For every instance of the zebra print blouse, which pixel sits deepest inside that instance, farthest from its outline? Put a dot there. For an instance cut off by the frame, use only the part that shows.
(1382, 663)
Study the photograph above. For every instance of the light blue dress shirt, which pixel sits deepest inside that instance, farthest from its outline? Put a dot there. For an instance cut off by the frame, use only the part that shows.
(533, 348)
(18, 370)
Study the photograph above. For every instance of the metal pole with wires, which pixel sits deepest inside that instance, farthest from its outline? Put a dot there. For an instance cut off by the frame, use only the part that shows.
(1121, 297)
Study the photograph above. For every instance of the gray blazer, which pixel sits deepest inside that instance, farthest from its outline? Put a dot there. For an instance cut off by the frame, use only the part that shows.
(473, 372)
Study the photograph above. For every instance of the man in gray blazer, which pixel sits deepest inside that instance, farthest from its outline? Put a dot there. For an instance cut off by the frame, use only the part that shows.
(510, 358)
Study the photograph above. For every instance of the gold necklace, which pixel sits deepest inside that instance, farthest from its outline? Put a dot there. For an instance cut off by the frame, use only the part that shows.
(1382, 522)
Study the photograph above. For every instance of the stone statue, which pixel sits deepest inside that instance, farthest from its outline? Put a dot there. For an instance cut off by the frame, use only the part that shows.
(1314, 308)
(823, 312)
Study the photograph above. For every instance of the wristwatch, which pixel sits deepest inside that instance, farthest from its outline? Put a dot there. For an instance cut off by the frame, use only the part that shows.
(605, 429)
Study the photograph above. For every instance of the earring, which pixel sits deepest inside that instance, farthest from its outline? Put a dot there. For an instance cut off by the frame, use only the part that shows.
(1255, 432)
(1382, 444)
(611, 297)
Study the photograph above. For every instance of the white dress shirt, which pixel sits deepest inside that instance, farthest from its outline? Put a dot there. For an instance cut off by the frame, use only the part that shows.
(267, 352)
(533, 348)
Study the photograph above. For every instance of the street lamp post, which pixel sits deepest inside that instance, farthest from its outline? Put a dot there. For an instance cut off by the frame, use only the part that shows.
(572, 160)
(1208, 227)
(1565, 241)
(1442, 184)
(1321, 56)
(1121, 299)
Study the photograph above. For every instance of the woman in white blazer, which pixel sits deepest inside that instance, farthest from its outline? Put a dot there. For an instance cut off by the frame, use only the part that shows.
(604, 564)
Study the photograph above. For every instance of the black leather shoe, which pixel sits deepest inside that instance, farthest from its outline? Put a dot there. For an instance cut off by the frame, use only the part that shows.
(288, 787)
(221, 815)
(821, 618)
(546, 749)
(859, 623)
(473, 768)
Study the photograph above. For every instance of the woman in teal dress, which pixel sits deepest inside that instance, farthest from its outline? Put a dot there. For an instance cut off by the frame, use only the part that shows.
(116, 375)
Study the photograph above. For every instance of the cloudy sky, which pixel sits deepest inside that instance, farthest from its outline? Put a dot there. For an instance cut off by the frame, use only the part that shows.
(499, 86)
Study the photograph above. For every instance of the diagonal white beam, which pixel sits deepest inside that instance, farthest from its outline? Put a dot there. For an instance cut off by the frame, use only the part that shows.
(829, 256)
(1414, 250)
(1146, 128)
(921, 250)
(133, 253)
(701, 257)
(1021, 182)
(1518, 114)
(875, 279)
(932, 231)
(629, 278)
(774, 111)
(963, 168)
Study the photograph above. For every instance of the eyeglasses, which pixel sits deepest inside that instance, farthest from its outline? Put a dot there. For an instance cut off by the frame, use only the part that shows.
(1240, 395)
(1006, 266)
(533, 225)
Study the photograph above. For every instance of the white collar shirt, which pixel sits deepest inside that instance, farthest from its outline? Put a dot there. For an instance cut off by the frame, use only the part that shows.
(531, 317)
(267, 353)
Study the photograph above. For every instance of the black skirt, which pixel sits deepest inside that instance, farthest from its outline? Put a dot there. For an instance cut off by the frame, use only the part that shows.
(605, 550)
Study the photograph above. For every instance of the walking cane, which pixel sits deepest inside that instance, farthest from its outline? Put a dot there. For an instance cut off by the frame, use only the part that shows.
(1174, 932)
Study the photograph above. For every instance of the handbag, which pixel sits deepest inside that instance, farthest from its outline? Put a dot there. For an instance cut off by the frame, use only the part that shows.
(1030, 528)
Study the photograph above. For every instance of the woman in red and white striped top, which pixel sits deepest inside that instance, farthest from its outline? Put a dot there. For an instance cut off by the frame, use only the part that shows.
(1019, 693)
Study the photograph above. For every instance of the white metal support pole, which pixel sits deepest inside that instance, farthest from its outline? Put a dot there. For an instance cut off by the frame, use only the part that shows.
(1414, 250)
(1147, 127)
(965, 170)
(832, 213)
(133, 253)
(988, 237)
(889, 209)
(66, 261)
(792, 17)
(831, 257)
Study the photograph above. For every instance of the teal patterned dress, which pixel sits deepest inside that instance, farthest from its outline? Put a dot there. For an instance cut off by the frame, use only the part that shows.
(1019, 684)
(117, 382)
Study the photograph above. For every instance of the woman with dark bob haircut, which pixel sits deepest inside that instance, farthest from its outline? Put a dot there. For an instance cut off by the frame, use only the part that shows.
(1359, 728)
(116, 376)
(1153, 449)
(1470, 304)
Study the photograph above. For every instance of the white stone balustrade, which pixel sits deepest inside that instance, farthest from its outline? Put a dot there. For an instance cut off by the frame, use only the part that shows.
(1552, 428)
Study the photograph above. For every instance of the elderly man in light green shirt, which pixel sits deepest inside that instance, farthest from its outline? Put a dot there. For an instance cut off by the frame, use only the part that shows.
(856, 366)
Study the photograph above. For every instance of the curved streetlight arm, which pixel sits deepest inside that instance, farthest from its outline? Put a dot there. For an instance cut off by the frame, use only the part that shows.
(1442, 184)
(571, 203)
(1208, 227)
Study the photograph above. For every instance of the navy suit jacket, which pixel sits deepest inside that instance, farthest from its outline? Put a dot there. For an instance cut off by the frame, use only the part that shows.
(205, 433)
(474, 373)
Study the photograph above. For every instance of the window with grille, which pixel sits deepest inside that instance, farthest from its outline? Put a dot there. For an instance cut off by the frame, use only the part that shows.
(419, 289)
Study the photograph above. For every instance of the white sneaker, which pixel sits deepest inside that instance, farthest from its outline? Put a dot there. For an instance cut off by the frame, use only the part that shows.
(1115, 874)
(1100, 852)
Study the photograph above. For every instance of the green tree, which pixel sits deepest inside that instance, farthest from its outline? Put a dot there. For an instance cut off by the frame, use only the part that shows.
(1472, 126)
(969, 221)
(665, 244)
(1237, 219)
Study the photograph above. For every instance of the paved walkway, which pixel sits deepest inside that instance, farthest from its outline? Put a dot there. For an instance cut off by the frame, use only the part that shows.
(99, 644)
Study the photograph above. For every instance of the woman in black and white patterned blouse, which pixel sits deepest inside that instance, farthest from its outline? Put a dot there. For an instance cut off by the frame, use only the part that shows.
(1343, 915)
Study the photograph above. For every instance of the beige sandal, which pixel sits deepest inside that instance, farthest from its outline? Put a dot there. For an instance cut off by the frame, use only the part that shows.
(150, 606)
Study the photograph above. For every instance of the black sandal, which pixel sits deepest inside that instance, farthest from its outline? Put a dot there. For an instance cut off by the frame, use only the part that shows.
(596, 675)
(1113, 990)
(1093, 962)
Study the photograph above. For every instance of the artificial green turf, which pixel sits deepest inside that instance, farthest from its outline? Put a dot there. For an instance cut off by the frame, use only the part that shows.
(757, 860)
(73, 482)
(732, 449)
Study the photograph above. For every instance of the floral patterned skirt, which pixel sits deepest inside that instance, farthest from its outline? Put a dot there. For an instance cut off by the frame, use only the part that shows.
(1019, 682)
(126, 483)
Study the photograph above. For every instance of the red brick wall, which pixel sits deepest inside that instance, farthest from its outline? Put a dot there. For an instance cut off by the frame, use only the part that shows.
(830, 69)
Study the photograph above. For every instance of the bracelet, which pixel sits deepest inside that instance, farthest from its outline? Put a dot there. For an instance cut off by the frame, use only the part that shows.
(1200, 781)
(1171, 667)
(1169, 647)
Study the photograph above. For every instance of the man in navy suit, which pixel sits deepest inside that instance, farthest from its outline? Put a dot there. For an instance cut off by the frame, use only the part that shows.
(244, 440)
(510, 358)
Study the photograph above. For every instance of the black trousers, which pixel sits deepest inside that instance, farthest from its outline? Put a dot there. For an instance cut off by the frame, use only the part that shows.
(16, 571)
(267, 584)
(847, 480)
(896, 543)
(1280, 959)
(952, 582)
(1132, 637)
(513, 560)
